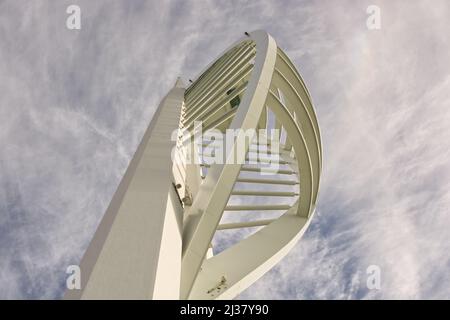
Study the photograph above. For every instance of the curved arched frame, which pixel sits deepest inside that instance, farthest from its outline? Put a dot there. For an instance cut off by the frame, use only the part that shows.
(228, 273)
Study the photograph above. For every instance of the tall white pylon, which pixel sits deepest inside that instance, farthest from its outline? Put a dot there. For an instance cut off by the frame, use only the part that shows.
(155, 240)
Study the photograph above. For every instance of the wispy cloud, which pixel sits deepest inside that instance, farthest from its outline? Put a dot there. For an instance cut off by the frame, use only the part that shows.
(74, 105)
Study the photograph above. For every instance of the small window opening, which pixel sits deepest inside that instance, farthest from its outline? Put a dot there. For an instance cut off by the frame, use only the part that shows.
(236, 100)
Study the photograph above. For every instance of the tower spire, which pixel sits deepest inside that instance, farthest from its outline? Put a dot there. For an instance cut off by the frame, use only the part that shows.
(154, 241)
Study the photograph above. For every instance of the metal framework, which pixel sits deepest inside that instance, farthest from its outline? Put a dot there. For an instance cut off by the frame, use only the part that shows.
(252, 85)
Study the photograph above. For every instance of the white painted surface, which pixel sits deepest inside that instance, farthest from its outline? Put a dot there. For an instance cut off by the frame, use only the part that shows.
(123, 258)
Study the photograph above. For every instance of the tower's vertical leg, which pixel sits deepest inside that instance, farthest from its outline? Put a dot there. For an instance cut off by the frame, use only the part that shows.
(136, 250)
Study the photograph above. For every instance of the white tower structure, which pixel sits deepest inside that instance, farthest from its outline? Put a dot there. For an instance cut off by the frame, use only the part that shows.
(155, 240)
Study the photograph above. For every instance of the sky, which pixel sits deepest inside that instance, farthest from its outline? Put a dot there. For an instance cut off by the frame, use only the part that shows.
(74, 104)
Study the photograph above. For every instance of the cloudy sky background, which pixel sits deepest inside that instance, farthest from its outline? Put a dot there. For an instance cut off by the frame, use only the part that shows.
(74, 105)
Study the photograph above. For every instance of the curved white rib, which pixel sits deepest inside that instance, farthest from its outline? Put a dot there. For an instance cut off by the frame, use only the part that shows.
(207, 209)
(228, 273)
